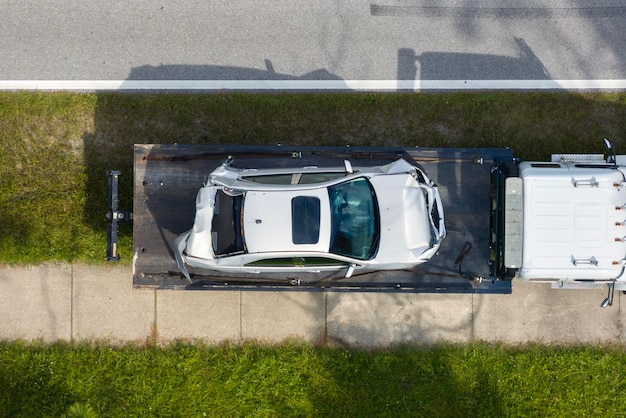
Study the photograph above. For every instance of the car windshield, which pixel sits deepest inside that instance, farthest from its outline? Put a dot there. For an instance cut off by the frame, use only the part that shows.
(355, 224)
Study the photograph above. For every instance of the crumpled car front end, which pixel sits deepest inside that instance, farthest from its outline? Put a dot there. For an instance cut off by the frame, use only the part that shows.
(194, 247)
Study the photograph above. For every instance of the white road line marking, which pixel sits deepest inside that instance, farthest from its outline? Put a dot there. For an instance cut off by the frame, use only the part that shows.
(343, 85)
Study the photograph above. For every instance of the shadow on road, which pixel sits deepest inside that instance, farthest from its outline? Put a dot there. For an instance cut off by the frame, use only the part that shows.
(218, 72)
(463, 66)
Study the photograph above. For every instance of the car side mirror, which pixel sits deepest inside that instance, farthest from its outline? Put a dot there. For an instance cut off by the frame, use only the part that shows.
(350, 270)
(348, 167)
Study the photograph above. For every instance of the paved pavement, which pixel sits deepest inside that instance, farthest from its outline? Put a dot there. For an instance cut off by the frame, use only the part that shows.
(313, 40)
(79, 302)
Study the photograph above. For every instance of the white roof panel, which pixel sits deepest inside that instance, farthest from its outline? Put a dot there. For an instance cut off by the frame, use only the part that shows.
(267, 221)
(572, 227)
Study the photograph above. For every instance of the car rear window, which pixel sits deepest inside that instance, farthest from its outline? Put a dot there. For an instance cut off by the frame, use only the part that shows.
(227, 234)
(305, 220)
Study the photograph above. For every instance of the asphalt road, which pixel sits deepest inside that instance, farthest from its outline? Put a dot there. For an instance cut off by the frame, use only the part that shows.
(321, 40)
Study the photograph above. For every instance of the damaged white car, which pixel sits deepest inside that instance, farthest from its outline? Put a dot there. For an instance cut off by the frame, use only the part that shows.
(313, 219)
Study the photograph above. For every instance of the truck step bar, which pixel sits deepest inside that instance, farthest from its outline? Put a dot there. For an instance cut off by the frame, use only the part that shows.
(577, 285)
(513, 222)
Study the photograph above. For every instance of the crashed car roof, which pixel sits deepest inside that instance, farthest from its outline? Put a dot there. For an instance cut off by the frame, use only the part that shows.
(287, 220)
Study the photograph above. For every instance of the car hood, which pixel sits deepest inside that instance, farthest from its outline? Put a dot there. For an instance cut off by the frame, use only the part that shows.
(406, 231)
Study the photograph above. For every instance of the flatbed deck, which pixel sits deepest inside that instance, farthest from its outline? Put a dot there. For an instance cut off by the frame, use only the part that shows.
(168, 177)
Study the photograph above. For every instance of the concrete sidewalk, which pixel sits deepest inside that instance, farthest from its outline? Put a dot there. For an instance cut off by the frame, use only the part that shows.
(79, 302)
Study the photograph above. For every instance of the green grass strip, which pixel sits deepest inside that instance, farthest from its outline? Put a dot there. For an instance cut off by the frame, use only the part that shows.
(55, 148)
(297, 379)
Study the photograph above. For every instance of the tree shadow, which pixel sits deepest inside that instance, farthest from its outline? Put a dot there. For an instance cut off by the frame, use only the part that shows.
(408, 381)
(610, 29)
(603, 21)
(32, 388)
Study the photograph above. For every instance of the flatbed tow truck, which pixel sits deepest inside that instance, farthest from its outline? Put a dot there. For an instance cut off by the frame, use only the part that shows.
(562, 221)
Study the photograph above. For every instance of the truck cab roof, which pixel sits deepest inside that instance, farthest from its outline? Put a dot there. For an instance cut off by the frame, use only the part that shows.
(574, 221)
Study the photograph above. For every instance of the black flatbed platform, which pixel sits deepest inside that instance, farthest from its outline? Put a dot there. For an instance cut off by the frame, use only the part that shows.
(168, 177)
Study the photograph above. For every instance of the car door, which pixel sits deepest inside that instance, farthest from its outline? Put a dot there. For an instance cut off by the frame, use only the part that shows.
(309, 264)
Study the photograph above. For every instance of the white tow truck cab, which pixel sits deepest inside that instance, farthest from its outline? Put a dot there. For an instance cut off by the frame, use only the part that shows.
(565, 222)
